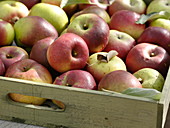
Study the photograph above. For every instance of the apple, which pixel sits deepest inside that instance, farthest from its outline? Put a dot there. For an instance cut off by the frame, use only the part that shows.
(11, 11)
(93, 9)
(160, 22)
(121, 42)
(147, 55)
(12, 54)
(76, 78)
(28, 69)
(137, 6)
(158, 5)
(69, 51)
(30, 29)
(101, 63)
(156, 35)
(29, 3)
(100, 3)
(125, 21)
(119, 81)
(93, 29)
(6, 33)
(52, 13)
(41, 46)
(2, 68)
(69, 9)
(150, 78)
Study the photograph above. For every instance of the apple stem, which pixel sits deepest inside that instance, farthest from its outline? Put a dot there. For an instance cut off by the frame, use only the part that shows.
(152, 54)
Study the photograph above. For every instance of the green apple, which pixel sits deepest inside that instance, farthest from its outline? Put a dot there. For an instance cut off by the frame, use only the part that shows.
(160, 22)
(52, 13)
(6, 33)
(158, 5)
(150, 78)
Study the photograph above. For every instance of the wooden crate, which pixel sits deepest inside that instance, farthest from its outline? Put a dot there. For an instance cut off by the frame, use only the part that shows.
(84, 108)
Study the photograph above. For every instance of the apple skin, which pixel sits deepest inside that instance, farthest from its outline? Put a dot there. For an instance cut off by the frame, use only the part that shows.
(52, 13)
(146, 55)
(14, 11)
(160, 22)
(150, 78)
(125, 21)
(93, 29)
(121, 42)
(119, 81)
(69, 9)
(6, 33)
(2, 68)
(12, 54)
(76, 78)
(156, 35)
(99, 68)
(28, 69)
(93, 9)
(157, 6)
(41, 46)
(30, 29)
(68, 52)
(137, 6)
(29, 3)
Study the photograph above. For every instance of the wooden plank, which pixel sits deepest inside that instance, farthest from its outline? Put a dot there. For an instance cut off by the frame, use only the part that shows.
(93, 109)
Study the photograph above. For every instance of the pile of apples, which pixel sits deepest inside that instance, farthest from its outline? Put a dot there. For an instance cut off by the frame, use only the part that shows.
(96, 45)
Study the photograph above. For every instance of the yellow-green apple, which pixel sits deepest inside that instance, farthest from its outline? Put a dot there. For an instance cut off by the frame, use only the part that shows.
(52, 13)
(39, 51)
(125, 21)
(69, 51)
(28, 69)
(29, 3)
(12, 54)
(150, 78)
(160, 22)
(119, 81)
(93, 29)
(101, 63)
(69, 9)
(30, 29)
(158, 5)
(156, 35)
(2, 68)
(100, 3)
(6, 33)
(76, 78)
(121, 42)
(11, 11)
(93, 9)
(137, 6)
(147, 55)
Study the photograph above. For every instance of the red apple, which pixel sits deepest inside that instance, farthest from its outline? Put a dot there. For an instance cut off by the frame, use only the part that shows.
(30, 29)
(29, 3)
(68, 52)
(125, 21)
(156, 35)
(76, 78)
(28, 69)
(41, 46)
(119, 81)
(2, 68)
(121, 42)
(146, 55)
(93, 29)
(11, 11)
(6, 33)
(138, 6)
(101, 63)
(12, 54)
